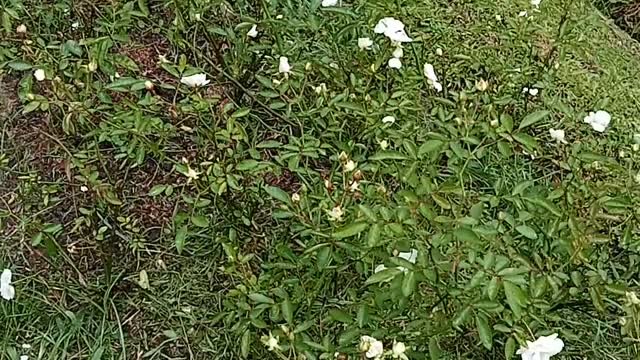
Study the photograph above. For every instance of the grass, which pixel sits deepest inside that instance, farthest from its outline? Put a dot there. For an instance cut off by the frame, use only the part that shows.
(117, 254)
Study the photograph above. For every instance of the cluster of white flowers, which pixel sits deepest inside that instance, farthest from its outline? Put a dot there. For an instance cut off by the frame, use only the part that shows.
(598, 120)
(195, 80)
(374, 349)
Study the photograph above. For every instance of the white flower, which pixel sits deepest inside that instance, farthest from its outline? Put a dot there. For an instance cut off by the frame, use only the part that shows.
(148, 85)
(536, 3)
(411, 256)
(439, 52)
(75, 25)
(598, 120)
(523, 13)
(253, 32)
(24, 357)
(350, 166)
(270, 342)
(373, 348)
(21, 29)
(632, 298)
(384, 144)
(195, 80)
(498, 17)
(279, 17)
(365, 43)
(533, 91)
(39, 74)
(6, 289)
(398, 52)
(557, 135)
(355, 186)
(322, 88)
(388, 120)
(93, 66)
(395, 63)
(482, 85)
(542, 349)
(393, 29)
(494, 123)
(191, 174)
(84, 188)
(326, 3)
(397, 352)
(26, 346)
(432, 78)
(295, 197)
(336, 214)
(283, 66)
(198, 17)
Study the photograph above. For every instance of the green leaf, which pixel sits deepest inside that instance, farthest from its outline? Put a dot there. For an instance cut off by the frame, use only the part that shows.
(527, 140)
(350, 106)
(261, 299)
(533, 118)
(383, 276)
(434, 349)
(278, 194)
(373, 237)
(287, 311)
(518, 189)
(388, 155)
(241, 112)
(465, 234)
(324, 257)
(143, 280)
(157, 190)
(181, 237)
(516, 298)
(350, 230)
(200, 221)
(429, 147)
(492, 288)
(408, 283)
(441, 201)
(20, 65)
(245, 343)
(484, 331)
(341, 316)
(527, 232)
(363, 315)
(247, 165)
(509, 348)
(547, 205)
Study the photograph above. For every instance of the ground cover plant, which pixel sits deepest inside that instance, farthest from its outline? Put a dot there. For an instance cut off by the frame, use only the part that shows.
(318, 180)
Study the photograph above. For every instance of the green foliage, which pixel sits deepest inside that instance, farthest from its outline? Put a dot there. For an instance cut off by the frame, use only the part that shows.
(267, 205)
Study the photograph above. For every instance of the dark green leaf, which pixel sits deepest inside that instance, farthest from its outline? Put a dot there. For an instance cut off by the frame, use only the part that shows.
(350, 230)
(383, 276)
(484, 331)
(533, 118)
(278, 194)
(527, 232)
(388, 155)
(261, 299)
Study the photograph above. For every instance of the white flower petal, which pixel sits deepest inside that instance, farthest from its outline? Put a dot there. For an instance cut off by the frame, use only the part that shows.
(542, 349)
(39, 75)
(393, 29)
(379, 268)
(411, 255)
(326, 3)
(388, 119)
(365, 43)
(398, 52)
(195, 80)
(395, 63)
(7, 291)
(284, 67)
(253, 32)
(557, 135)
(598, 120)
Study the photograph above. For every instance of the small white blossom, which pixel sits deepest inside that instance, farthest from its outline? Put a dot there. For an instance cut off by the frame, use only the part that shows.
(432, 78)
(295, 197)
(279, 17)
(350, 165)
(384, 144)
(598, 120)
(7, 291)
(198, 17)
(439, 52)
(494, 123)
(372, 347)
(21, 29)
(395, 63)
(148, 85)
(84, 188)
(482, 85)
(75, 25)
(388, 119)
(93, 66)
(523, 13)
(533, 92)
(557, 135)
(326, 3)
(498, 17)
(270, 342)
(253, 32)
(195, 80)
(26, 346)
(191, 174)
(283, 66)
(393, 29)
(397, 352)
(536, 3)
(322, 88)
(632, 298)
(398, 52)
(411, 256)
(39, 75)
(542, 349)
(355, 186)
(365, 43)
(336, 214)
(24, 357)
